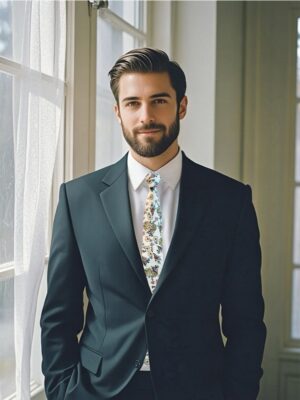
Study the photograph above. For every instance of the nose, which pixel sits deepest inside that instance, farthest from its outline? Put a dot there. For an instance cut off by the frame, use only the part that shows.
(147, 115)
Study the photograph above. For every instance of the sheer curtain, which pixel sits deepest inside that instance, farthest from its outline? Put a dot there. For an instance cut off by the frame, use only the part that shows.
(38, 122)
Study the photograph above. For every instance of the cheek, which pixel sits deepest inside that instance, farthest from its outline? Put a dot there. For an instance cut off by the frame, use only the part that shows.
(128, 116)
(168, 120)
(131, 124)
(166, 113)
(128, 120)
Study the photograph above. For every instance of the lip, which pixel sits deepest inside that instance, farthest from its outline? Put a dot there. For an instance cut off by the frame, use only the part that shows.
(149, 132)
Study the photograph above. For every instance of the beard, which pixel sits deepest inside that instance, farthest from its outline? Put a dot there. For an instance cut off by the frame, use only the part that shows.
(150, 146)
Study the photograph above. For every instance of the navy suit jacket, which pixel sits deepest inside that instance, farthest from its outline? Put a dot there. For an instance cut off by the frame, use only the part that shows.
(213, 263)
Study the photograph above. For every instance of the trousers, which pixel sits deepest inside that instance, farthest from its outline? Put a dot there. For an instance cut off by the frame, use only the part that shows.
(139, 388)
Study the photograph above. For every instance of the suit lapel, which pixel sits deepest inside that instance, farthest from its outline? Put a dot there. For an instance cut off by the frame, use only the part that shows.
(116, 203)
(193, 201)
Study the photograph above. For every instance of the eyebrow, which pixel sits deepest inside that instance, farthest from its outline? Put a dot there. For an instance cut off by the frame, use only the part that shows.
(154, 96)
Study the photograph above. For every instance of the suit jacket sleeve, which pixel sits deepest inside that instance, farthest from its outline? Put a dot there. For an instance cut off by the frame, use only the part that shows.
(243, 308)
(62, 315)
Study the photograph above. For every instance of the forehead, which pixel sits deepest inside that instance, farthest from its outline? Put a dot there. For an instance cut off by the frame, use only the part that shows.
(137, 84)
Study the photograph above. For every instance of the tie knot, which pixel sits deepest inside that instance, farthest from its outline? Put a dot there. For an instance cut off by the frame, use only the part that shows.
(153, 180)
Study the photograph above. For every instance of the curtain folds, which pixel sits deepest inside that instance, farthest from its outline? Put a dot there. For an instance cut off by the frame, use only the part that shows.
(38, 124)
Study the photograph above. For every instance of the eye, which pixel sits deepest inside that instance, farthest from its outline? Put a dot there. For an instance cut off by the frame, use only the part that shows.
(132, 104)
(160, 101)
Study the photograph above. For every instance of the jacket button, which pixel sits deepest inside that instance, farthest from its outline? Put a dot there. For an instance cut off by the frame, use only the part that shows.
(138, 364)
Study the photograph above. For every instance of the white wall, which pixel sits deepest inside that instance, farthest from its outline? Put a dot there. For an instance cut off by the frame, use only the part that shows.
(190, 39)
(195, 50)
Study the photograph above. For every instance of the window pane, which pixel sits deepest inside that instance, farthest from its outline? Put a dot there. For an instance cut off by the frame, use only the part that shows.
(296, 258)
(12, 29)
(298, 57)
(111, 44)
(44, 38)
(7, 355)
(131, 11)
(297, 146)
(5, 29)
(296, 305)
(6, 170)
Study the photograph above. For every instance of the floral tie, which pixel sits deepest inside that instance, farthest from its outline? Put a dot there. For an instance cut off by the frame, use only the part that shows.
(152, 239)
(152, 232)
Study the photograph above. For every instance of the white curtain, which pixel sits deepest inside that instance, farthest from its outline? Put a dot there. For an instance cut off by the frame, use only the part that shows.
(40, 40)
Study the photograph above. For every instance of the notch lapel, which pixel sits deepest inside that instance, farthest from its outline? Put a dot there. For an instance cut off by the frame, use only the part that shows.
(116, 203)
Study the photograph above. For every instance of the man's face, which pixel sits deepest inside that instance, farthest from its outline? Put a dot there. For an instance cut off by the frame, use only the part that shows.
(148, 112)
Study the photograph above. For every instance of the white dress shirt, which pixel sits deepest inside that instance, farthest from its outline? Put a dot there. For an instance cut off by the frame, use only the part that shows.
(168, 191)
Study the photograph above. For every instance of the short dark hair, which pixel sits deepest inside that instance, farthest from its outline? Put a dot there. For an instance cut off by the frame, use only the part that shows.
(147, 60)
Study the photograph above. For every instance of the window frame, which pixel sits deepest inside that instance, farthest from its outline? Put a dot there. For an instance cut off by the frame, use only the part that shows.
(291, 345)
(121, 24)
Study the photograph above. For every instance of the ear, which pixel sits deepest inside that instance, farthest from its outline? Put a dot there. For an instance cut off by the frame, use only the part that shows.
(117, 112)
(183, 107)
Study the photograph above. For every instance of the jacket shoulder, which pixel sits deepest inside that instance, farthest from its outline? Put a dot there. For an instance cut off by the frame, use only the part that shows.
(212, 178)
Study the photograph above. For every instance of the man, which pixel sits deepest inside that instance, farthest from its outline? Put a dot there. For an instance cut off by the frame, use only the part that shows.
(159, 243)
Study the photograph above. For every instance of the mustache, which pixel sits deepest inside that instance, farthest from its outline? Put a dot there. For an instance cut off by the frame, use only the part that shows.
(146, 127)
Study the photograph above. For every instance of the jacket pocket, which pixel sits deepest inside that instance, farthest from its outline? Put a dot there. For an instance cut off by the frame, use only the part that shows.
(90, 359)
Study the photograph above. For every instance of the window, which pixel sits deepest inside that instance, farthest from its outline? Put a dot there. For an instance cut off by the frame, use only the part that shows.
(120, 28)
(32, 58)
(7, 76)
(295, 328)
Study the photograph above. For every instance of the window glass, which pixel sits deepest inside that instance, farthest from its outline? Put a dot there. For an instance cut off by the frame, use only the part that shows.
(296, 305)
(131, 11)
(5, 29)
(297, 227)
(298, 58)
(297, 146)
(11, 29)
(6, 170)
(7, 364)
(295, 327)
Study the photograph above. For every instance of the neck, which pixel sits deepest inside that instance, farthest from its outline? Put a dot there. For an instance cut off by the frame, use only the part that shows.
(154, 163)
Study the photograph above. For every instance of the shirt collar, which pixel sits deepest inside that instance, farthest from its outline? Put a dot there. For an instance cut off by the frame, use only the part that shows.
(170, 173)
